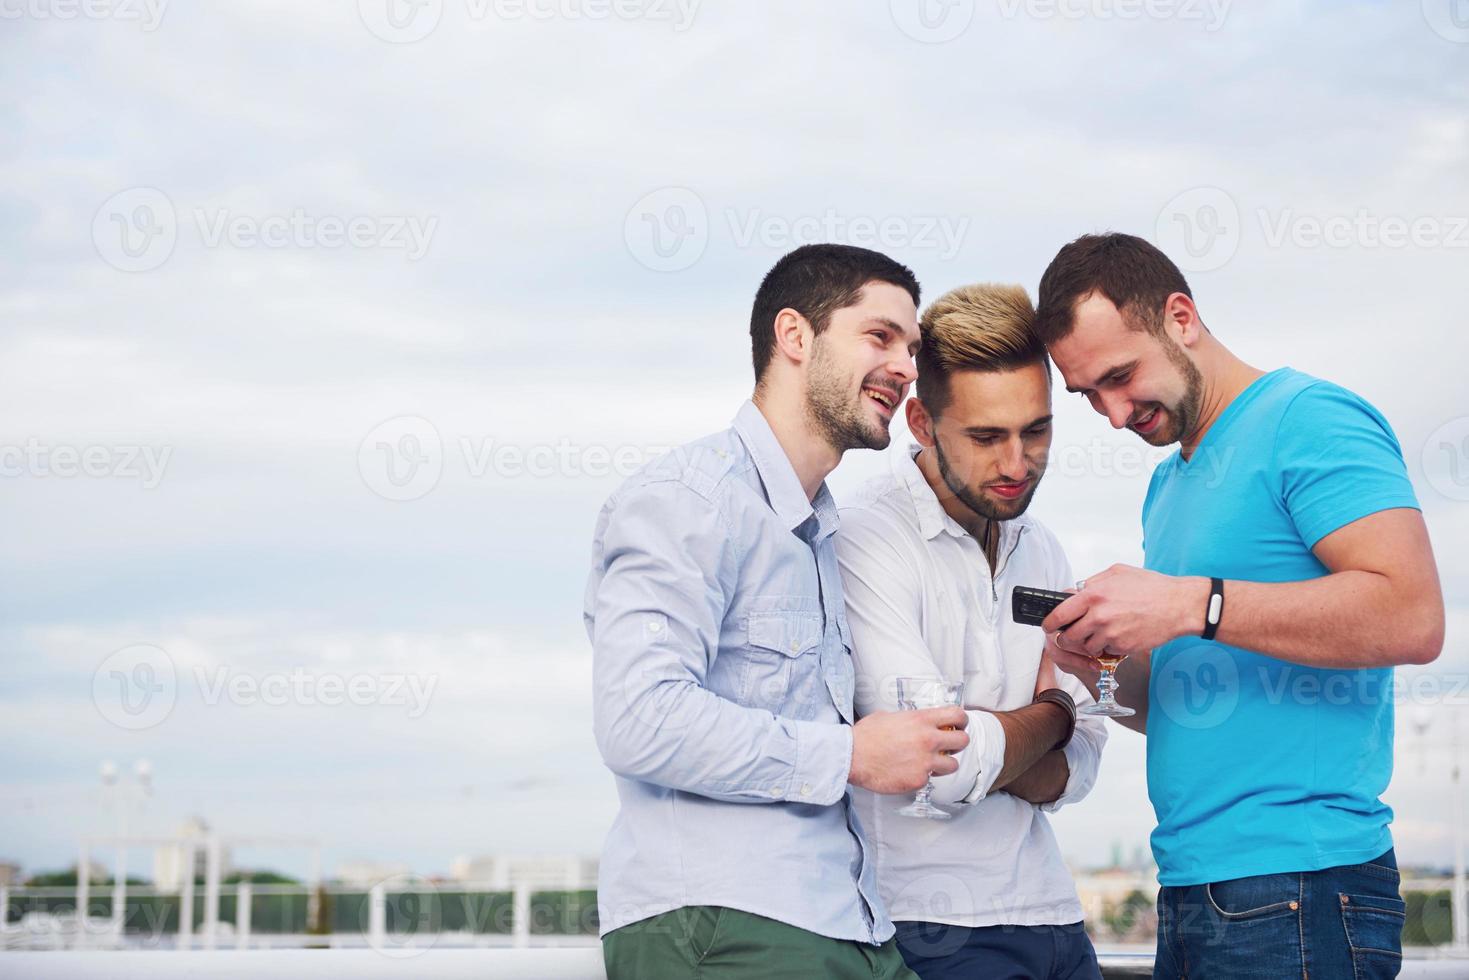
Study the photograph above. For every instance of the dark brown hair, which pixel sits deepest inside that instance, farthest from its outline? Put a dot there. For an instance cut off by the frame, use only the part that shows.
(816, 281)
(1129, 271)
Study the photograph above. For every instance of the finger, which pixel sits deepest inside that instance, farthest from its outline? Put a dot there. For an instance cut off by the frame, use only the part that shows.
(1096, 643)
(946, 717)
(952, 741)
(1066, 613)
(943, 765)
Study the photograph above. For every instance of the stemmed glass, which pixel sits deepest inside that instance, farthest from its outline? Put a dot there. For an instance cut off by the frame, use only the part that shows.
(915, 693)
(1106, 704)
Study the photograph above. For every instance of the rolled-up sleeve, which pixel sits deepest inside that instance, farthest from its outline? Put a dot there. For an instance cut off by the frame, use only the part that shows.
(884, 603)
(663, 569)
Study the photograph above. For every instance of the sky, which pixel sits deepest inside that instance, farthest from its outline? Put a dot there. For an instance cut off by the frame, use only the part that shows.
(325, 329)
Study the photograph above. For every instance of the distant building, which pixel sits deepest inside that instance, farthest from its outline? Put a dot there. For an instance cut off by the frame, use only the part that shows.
(543, 872)
(169, 862)
(9, 873)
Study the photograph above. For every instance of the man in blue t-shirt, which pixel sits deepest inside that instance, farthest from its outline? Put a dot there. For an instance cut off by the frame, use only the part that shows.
(1288, 570)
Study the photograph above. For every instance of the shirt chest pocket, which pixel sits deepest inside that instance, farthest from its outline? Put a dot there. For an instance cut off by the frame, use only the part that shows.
(782, 662)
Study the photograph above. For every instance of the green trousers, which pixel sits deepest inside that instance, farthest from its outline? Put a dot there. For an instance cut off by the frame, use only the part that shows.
(706, 942)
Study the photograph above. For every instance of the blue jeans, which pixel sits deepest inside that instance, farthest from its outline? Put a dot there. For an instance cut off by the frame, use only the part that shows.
(936, 951)
(1344, 922)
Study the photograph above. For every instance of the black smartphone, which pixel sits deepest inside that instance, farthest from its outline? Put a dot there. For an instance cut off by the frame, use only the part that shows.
(1031, 606)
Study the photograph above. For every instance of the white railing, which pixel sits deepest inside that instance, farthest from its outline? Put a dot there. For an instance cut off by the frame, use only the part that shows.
(442, 964)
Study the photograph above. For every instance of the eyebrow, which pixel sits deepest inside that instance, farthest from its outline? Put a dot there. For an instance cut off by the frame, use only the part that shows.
(998, 430)
(1111, 373)
(895, 327)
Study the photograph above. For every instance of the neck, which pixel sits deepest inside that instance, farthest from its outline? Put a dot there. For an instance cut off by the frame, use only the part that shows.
(982, 529)
(811, 456)
(1224, 380)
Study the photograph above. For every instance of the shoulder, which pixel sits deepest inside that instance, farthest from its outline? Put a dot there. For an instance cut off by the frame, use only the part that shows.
(1316, 412)
(881, 507)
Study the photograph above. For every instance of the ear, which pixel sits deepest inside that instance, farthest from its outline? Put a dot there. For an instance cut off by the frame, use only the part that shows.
(1181, 319)
(920, 423)
(793, 335)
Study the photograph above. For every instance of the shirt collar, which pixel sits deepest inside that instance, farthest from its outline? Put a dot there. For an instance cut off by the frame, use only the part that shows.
(932, 518)
(782, 486)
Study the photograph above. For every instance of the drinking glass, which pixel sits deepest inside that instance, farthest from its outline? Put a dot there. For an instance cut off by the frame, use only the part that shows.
(915, 693)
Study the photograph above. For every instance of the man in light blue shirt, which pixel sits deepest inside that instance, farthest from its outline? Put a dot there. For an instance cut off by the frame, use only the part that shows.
(723, 681)
(1288, 571)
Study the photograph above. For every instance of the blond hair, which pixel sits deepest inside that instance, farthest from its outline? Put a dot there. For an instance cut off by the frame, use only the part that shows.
(983, 327)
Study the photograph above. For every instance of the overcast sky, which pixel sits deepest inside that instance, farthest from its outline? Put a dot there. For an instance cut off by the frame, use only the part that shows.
(325, 329)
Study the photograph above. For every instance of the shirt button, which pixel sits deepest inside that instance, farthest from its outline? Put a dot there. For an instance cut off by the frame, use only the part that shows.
(775, 792)
(806, 789)
(655, 627)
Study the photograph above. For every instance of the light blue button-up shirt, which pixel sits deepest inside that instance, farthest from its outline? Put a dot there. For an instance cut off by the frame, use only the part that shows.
(723, 686)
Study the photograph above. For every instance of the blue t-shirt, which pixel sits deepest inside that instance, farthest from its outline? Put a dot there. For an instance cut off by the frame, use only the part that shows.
(1255, 765)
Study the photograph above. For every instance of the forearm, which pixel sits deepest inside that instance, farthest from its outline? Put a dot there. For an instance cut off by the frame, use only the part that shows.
(1347, 620)
(1031, 732)
(1043, 782)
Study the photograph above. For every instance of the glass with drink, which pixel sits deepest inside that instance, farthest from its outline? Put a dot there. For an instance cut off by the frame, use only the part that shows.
(927, 692)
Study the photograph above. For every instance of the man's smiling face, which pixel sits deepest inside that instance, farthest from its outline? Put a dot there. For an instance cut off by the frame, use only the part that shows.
(1138, 379)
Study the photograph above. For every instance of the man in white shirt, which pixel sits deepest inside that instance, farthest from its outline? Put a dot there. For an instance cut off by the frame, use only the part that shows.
(929, 554)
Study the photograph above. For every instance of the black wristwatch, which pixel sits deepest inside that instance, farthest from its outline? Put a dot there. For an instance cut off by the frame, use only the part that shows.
(1061, 699)
(1214, 611)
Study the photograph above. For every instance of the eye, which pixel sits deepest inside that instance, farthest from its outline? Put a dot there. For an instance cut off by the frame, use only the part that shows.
(1122, 379)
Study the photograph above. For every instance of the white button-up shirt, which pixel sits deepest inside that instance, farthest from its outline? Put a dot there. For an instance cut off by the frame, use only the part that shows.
(921, 602)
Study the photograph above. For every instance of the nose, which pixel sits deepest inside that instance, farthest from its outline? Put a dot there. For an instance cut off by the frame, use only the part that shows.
(1118, 410)
(904, 369)
(1012, 460)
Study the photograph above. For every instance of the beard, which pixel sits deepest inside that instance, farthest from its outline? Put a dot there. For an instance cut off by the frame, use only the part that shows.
(1183, 415)
(974, 498)
(832, 410)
